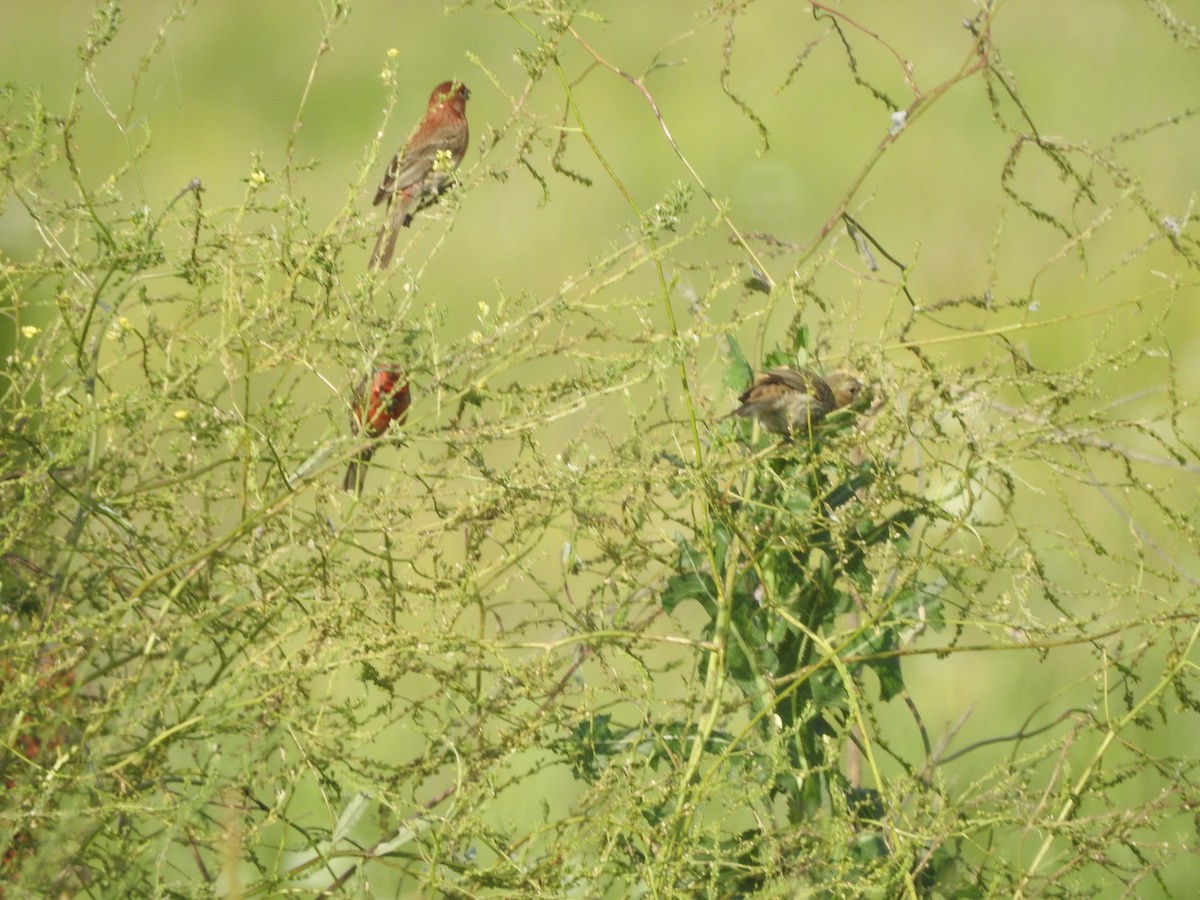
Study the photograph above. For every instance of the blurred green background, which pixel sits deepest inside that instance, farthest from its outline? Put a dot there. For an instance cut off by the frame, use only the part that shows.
(227, 87)
(223, 99)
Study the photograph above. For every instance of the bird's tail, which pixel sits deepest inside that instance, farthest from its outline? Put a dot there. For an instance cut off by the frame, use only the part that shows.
(356, 472)
(385, 243)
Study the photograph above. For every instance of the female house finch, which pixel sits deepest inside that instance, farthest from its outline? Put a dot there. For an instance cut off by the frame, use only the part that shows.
(786, 400)
(378, 402)
(414, 179)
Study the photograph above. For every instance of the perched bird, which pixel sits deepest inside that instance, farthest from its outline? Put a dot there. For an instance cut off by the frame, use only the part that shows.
(845, 386)
(378, 402)
(788, 401)
(415, 177)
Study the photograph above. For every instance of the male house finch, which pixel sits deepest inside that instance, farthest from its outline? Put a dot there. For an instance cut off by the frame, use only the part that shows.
(786, 400)
(378, 402)
(414, 179)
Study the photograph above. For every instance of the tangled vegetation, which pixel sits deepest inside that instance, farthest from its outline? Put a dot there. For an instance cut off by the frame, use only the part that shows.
(584, 634)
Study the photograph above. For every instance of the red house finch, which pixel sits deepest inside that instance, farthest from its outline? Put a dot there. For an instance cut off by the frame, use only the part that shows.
(416, 177)
(372, 413)
(787, 400)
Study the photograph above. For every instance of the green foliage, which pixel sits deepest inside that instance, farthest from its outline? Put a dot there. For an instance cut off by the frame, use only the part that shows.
(584, 633)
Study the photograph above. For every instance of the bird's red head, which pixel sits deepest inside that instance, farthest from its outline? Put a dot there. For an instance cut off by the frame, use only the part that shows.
(454, 93)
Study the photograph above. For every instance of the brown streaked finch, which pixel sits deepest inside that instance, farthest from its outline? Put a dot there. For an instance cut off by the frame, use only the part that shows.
(378, 402)
(788, 401)
(424, 166)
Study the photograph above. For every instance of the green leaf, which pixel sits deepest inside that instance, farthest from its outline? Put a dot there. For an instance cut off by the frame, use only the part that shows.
(690, 586)
(800, 344)
(886, 669)
(738, 372)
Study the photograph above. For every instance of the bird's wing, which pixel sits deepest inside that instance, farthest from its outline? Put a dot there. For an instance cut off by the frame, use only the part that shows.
(413, 165)
(804, 381)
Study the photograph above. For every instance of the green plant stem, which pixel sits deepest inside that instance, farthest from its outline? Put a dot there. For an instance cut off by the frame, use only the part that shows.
(1075, 797)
